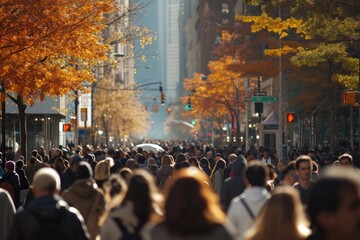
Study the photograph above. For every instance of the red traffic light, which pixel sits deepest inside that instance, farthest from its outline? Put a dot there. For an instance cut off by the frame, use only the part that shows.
(291, 117)
(67, 127)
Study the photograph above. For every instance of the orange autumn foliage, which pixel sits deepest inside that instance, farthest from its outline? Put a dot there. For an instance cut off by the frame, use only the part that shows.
(50, 47)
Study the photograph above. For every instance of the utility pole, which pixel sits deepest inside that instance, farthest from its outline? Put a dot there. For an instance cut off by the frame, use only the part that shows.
(280, 111)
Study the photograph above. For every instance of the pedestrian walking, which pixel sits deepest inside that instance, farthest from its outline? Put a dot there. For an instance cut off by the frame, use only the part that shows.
(244, 208)
(165, 171)
(47, 216)
(132, 219)
(334, 205)
(235, 185)
(86, 197)
(192, 209)
(304, 185)
(217, 176)
(7, 212)
(281, 218)
(11, 182)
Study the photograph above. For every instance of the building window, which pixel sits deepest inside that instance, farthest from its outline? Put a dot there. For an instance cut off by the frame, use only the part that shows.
(225, 8)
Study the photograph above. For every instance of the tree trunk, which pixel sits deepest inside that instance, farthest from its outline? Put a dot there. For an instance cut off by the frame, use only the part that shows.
(22, 119)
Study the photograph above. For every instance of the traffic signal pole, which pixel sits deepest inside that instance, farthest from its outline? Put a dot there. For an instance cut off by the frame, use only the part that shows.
(280, 110)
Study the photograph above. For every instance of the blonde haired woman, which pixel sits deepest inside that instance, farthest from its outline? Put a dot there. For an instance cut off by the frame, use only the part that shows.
(282, 218)
(102, 171)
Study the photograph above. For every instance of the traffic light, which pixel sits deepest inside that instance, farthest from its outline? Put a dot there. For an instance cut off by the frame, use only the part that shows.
(259, 107)
(349, 98)
(188, 105)
(193, 122)
(291, 117)
(67, 127)
(169, 110)
(162, 98)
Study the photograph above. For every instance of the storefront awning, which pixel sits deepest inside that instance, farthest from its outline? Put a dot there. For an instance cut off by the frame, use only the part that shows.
(271, 122)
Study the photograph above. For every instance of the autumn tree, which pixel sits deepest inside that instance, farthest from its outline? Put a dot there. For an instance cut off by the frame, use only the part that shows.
(331, 30)
(221, 95)
(48, 48)
(118, 112)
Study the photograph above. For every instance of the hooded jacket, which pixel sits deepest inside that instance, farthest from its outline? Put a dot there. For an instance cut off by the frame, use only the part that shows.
(28, 221)
(89, 199)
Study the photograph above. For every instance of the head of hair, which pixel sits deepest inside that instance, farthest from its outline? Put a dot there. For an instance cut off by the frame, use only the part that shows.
(125, 173)
(232, 157)
(326, 195)
(142, 193)
(34, 153)
(197, 208)
(141, 159)
(167, 160)
(19, 164)
(281, 217)
(193, 160)
(182, 165)
(102, 170)
(180, 158)
(115, 189)
(346, 156)
(302, 158)
(290, 167)
(47, 180)
(84, 170)
(220, 164)
(257, 173)
(205, 162)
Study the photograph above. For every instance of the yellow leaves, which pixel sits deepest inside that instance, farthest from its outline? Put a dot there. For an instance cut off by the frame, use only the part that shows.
(119, 110)
(226, 36)
(275, 25)
(283, 51)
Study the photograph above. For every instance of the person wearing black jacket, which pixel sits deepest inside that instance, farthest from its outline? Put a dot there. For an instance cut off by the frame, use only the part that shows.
(24, 182)
(12, 177)
(47, 216)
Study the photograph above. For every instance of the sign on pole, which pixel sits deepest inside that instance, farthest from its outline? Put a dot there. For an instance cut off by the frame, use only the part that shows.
(83, 115)
(264, 99)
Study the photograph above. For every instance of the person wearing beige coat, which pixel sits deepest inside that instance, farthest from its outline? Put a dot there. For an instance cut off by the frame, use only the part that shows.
(86, 197)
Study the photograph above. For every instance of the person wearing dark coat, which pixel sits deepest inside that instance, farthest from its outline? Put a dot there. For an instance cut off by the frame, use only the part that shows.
(68, 177)
(24, 182)
(234, 185)
(12, 177)
(47, 208)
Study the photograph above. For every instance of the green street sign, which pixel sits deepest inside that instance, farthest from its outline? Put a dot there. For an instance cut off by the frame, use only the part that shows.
(263, 99)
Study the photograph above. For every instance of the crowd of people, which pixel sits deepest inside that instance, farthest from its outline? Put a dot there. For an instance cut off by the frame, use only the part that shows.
(186, 192)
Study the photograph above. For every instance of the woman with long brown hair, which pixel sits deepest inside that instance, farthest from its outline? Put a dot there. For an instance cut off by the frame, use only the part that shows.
(217, 176)
(138, 211)
(192, 209)
(281, 218)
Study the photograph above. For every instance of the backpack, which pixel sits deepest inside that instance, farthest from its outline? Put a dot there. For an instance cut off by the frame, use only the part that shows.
(126, 235)
(9, 188)
(51, 228)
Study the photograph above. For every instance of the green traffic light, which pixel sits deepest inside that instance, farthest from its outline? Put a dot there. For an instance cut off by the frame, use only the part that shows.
(193, 122)
(188, 107)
